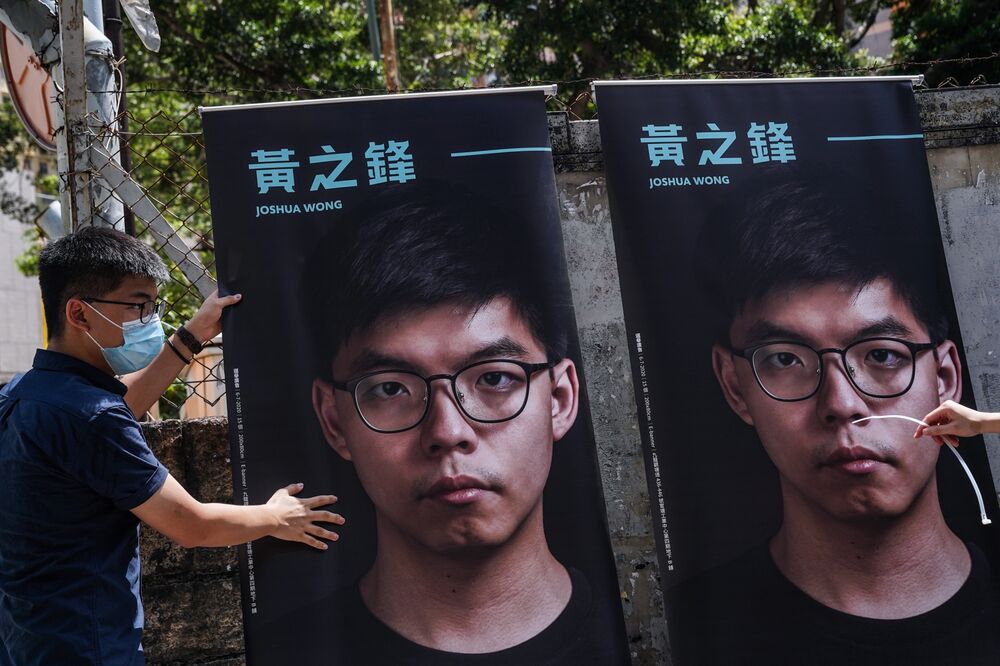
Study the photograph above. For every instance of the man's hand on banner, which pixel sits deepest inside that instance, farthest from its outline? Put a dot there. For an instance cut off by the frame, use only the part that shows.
(207, 321)
(298, 518)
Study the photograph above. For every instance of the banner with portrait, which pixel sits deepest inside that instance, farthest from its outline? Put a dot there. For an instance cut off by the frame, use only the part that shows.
(406, 342)
(783, 282)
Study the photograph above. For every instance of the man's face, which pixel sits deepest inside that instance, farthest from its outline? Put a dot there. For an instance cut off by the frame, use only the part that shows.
(451, 483)
(106, 329)
(871, 470)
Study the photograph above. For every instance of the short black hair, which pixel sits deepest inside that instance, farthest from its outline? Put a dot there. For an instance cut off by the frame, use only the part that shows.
(91, 262)
(792, 226)
(409, 250)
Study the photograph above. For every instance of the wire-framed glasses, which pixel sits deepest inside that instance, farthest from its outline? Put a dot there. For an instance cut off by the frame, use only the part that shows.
(147, 309)
(390, 401)
(877, 367)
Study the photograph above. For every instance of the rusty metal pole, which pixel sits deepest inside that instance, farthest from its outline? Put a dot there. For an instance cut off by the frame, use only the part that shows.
(88, 99)
(390, 60)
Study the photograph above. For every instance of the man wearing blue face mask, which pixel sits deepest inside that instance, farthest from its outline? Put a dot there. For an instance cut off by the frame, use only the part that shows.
(142, 338)
(76, 475)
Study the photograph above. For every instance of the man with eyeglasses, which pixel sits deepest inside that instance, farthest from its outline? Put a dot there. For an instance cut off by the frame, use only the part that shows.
(829, 313)
(444, 381)
(76, 474)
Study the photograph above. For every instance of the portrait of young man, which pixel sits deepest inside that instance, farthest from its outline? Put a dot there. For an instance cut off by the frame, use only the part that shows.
(407, 336)
(443, 381)
(830, 308)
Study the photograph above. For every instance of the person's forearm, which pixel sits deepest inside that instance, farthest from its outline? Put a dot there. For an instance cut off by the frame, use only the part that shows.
(991, 422)
(147, 385)
(216, 524)
(172, 511)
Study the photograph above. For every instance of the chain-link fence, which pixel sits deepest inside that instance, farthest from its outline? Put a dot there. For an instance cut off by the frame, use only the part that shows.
(157, 190)
(167, 157)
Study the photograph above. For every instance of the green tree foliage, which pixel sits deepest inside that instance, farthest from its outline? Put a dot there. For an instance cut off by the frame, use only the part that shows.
(288, 46)
(565, 40)
(280, 49)
(446, 44)
(577, 40)
(771, 38)
(927, 30)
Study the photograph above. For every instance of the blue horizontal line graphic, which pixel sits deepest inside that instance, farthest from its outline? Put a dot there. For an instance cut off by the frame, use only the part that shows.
(875, 137)
(497, 151)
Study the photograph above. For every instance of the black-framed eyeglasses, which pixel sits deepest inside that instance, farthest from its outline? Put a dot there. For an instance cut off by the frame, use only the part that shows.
(391, 401)
(146, 308)
(792, 371)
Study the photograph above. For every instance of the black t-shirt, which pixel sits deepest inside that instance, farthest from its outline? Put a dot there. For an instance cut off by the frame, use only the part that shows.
(340, 629)
(747, 612)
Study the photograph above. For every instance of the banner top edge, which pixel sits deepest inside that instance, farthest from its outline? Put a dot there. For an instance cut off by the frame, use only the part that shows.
(914, 79)
(549, 89)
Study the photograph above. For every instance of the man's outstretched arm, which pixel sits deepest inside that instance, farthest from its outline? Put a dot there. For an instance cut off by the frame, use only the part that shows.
(190, 523)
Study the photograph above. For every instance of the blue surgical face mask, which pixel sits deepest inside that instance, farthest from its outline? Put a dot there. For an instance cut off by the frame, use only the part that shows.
(142, 343)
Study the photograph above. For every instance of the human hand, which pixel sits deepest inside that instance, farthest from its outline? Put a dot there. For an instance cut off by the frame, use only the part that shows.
(207, 321)
(950, 421)
(297, 520)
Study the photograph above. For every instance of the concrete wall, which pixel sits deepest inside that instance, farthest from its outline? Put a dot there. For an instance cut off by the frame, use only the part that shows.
(962, 129)
(20, 300)
(192, 598)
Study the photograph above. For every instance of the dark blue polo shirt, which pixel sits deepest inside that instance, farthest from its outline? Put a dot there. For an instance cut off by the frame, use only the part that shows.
(73, 462)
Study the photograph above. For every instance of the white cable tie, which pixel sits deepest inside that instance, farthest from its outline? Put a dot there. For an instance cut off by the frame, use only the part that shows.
(975, 486)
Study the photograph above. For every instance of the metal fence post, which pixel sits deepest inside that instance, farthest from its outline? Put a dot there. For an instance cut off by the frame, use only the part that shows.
(89, 104)
(77, 201)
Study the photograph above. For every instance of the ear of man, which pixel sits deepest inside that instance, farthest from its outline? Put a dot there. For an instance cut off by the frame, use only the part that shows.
(324, 401)
(565, 397)
(725, 372)
(75, 315)
(949, 372)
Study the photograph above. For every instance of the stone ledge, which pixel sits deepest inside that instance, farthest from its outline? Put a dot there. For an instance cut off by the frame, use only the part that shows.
(192, 596)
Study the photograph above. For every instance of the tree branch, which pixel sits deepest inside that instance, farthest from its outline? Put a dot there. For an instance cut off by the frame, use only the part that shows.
(860, 32)
(206, 48)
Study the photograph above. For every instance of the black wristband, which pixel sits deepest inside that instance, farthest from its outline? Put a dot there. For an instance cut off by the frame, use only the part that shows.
(187, 361)
(189, 341)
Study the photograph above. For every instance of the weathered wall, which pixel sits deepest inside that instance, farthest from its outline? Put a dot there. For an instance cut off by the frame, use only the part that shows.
(192, 597)
(20, 300)
(962, 129)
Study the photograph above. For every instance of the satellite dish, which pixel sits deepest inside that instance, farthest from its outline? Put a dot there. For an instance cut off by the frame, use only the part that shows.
(30, 88)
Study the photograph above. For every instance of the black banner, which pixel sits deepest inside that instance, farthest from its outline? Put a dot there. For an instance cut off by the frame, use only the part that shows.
(784, 281)
(406, 342)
